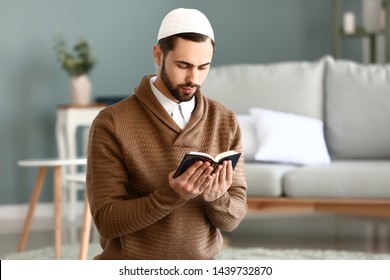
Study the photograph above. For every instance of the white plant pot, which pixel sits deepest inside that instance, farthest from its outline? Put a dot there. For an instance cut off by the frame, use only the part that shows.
(81, 90)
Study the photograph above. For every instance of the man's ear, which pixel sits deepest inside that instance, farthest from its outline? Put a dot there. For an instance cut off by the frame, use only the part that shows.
(157, 54)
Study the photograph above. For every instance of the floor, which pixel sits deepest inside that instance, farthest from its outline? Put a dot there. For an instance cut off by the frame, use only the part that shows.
(314, 231)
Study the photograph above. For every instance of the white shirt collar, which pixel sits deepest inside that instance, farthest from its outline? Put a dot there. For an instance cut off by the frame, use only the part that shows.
(170, 106)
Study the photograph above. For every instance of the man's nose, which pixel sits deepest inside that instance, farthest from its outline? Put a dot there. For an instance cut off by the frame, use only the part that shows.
(192, 76)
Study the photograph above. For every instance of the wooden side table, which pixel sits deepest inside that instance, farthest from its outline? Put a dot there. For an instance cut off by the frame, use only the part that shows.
(69, 119)
(43, 165)
(86, 222)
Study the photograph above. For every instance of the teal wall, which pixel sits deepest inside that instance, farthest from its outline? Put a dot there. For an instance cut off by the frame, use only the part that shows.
(122, 34)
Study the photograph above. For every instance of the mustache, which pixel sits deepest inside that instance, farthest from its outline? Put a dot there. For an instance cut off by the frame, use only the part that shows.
(189, 85)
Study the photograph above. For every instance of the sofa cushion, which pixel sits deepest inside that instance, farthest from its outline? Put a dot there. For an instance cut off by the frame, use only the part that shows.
(340, 179)
(357, 110)
(292, 87)
(265, 179)
(248, 135)
(289, 138)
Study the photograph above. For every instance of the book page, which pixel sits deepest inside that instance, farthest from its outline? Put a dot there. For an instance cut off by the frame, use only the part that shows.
(202, 154)
(225, 154)
(190, 158)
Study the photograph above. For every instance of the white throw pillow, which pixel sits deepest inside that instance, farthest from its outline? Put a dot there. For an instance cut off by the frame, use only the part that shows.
(289, 138)
(248, 135)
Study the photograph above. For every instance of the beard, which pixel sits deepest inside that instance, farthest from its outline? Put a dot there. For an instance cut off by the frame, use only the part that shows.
(175, 90)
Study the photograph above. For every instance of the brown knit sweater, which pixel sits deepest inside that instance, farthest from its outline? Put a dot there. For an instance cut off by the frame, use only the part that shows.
(133, 146)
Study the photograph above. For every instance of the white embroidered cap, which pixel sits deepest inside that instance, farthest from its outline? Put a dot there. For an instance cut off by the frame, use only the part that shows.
(185, 21)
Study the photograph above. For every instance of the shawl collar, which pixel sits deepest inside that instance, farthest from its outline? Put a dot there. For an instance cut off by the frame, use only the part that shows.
(165, 126)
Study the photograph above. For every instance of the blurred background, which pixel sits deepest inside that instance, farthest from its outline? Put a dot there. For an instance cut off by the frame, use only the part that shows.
(121, 34)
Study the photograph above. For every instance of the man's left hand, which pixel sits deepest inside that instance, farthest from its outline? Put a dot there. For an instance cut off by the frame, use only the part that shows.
(221, 183)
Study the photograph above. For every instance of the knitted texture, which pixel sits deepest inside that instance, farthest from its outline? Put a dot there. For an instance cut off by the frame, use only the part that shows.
(133, 146)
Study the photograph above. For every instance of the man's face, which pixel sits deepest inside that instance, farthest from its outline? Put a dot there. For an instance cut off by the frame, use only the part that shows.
(185, 68)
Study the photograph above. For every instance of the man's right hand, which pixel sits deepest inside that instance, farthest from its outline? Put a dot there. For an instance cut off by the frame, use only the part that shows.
(193, 181)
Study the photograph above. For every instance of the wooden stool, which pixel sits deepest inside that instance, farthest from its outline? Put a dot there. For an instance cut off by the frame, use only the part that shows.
(43, 165)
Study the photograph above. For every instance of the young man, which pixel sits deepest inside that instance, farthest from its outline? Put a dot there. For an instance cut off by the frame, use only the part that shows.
(139, 208)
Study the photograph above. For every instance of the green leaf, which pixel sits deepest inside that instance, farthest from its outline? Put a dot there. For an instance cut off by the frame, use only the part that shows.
(80, 61)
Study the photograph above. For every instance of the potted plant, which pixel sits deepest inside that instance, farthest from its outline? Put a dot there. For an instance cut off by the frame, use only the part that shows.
(78, 64)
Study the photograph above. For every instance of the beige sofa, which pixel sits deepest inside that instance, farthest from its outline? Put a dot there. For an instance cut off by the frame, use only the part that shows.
(316, 134)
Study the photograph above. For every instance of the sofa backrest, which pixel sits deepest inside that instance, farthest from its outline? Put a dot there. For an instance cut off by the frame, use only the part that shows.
(352, 99)
(357, 119)
(290, 87)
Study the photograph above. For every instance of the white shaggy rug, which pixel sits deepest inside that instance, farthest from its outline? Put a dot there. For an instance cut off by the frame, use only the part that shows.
(228, 253)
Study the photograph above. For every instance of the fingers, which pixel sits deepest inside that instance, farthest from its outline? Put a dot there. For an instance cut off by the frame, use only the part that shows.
(200, 178)
(195, 170)
(224, 171)
(229, 173)
(197, 173)
(224, 175)
(195, 179)
(201, 175)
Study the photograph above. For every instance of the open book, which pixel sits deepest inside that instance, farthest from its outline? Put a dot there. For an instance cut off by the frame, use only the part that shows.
(190, 158)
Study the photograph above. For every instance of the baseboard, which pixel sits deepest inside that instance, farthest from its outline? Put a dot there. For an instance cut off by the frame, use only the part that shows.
(12, 217)
(43, 210)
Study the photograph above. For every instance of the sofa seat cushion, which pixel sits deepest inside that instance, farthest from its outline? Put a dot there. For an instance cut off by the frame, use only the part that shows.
(340, 179)
(265, 179)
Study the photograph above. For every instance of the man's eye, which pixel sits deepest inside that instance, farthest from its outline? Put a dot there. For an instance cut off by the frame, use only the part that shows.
(182, 66)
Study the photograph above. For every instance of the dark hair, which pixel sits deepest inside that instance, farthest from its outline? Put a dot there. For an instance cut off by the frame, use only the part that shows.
(167, 44)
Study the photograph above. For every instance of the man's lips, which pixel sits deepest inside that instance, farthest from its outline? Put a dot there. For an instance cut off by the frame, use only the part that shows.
(189, 90)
